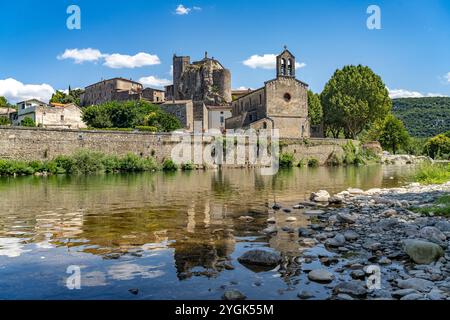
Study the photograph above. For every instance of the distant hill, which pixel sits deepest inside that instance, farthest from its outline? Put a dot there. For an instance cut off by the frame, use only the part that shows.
(424, 117)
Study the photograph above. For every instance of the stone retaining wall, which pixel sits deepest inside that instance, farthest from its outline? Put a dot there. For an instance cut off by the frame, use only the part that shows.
(43, 144)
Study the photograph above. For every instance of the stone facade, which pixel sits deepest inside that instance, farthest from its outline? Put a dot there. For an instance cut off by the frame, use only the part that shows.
(60, 116)
(183, 110)
(154, 95)
(281, 104)
(206, 80)
(116, 89)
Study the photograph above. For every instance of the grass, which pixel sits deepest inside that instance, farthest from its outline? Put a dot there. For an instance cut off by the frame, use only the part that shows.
(441, 207)
(433, 173)
(82, 162)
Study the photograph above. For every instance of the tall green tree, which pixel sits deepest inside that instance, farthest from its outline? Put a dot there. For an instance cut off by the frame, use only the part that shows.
(73, 96)
(353, 99)
(393, 134)
(315, 111)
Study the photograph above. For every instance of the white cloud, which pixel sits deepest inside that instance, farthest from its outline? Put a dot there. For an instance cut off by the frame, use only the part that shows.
(153, 81)
(16, 91)
(81, 55)
(182, 10)
(114, 61)
(243, 88)
(402, 93)
(447, 77)
(197, 8)
(266, 61)
(118, 61)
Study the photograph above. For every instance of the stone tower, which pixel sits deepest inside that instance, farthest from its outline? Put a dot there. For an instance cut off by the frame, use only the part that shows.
(286, 64)
(204, 81)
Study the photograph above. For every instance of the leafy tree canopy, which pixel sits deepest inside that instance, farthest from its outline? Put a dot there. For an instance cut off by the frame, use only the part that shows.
(72, 97)
(315, 108)
(130, 114)
(353, 99)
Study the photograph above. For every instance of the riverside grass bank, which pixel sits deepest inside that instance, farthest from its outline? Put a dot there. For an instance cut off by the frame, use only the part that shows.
(42, 144)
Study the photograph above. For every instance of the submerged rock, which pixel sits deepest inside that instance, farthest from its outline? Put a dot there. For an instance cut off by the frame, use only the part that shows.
(233, 295)
(321, 275)
(260, 258)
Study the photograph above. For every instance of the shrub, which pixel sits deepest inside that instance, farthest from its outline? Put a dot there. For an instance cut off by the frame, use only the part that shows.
(313, 162)
(110, 163)
(65, 164)
(28, 122)
(286, 160)
(189, 166)
(301, 163)
(438, 147)
(87, 162)
(4, 121)
(169, 165)
(147, 128)
(334, 160)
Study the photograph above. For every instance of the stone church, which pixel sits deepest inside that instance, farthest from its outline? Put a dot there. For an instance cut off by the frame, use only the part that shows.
(282, 103)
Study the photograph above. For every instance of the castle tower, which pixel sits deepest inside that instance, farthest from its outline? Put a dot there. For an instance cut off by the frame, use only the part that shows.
(286, 64)
(179, 66)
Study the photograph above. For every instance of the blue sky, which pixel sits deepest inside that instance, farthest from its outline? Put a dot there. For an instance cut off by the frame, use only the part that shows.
(411, 52)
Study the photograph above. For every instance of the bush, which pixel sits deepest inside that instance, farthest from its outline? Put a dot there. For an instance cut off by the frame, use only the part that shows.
(88, 162)
(147, 128)
(187, 166)
(438, 147)
(301, 163)
(334, 160)
(65, 164)
(169, 165)
(110, 163)
(4, 121)
(286, 160)
(313, 162)
(28, 122)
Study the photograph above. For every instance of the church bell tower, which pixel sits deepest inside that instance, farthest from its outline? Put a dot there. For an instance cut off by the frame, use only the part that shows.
(286, 64)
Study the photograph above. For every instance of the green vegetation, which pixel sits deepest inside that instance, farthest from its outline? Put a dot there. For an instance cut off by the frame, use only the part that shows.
(82, 162)
(287, 160)
(313, 162)
(189, 166)
(169, 165)
(73, 96)
(28, 122)
(4, 121)
(131, 114)
(352, 155)
(424, 117)
(353, 99)
(5, 104)
(433, 173)
(441, 207)
(391, 134)
(314, 108)
(439, 147)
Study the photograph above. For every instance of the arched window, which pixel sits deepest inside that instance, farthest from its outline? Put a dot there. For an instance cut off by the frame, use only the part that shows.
(265, 125)
(289, 68)
(283, 67)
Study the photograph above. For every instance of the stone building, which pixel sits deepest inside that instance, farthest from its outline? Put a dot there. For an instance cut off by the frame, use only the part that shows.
(205, 80)
(282, 103)
(66, 116)
(116, 89)
(153, 95)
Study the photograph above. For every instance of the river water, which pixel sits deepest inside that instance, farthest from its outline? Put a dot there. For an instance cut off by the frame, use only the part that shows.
(167, 235)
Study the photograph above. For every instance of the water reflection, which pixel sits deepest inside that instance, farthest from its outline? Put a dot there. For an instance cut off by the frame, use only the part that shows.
(157, 226)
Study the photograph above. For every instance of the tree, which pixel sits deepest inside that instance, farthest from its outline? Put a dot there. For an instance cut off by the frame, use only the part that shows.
(393, 134)
(439, 146)
(73, 96)
(353, 99)
(314, 108)
(130, 114)
(28, 122)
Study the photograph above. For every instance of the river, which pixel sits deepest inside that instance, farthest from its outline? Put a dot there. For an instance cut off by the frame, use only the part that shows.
(171, 236)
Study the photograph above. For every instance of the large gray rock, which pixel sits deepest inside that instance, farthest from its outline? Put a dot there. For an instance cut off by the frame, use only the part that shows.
(260, 258)
(351, 235)
(443, 226)
(321, 275)
(433, 234)
(345, 217)
(320, 196)
(337, 241)
(353, 288)
(422, 252)
(418, 284)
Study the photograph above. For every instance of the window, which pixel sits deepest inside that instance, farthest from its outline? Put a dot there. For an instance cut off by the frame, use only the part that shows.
(287, 97)
(265, 125)
(260, 99)
(62, 117)
(222, 119)
(283, 67)
(289, 70)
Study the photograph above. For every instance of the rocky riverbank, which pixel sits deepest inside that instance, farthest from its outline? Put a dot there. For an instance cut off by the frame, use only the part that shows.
(370, 244)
